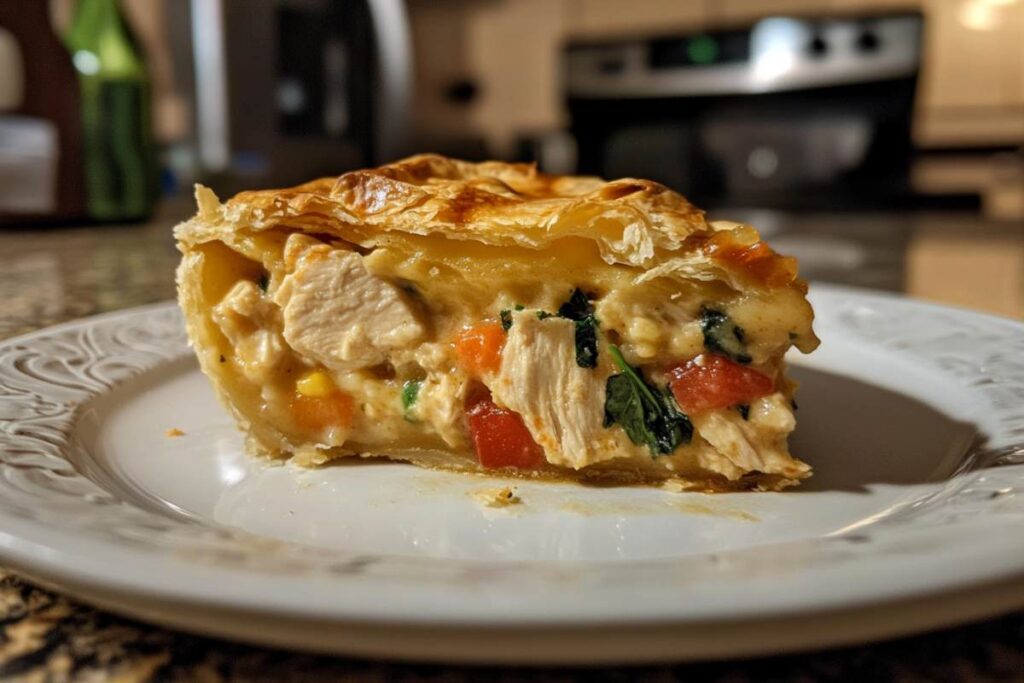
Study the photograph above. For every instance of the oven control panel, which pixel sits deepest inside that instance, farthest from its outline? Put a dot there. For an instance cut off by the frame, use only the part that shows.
(775, 54)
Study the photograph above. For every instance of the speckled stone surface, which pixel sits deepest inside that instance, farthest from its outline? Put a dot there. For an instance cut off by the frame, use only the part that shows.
(48, 276)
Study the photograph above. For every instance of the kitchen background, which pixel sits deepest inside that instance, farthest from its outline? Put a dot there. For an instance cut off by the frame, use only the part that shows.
(880, 141)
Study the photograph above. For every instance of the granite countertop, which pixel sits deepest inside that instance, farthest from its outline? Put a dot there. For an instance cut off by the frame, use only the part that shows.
(47, 276)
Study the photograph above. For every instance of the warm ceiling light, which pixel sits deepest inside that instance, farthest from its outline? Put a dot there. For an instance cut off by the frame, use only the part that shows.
(981, 15)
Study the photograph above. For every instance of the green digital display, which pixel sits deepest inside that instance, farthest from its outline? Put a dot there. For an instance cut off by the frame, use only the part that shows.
(702, 49)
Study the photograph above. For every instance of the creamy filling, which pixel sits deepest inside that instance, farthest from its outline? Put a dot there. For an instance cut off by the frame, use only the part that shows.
(358, 353)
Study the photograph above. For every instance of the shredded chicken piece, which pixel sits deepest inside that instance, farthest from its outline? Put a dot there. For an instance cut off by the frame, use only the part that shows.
(757, 444)
(561, 403)
(247, 319)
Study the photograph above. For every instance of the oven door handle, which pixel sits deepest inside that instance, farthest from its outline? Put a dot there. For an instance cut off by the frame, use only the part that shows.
(209, 54)
(393, 42)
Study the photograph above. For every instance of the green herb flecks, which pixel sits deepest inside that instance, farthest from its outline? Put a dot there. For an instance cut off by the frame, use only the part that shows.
(744, 410)
(263, 282)
(586, 342)
(544, 315)
(506, 316)
(722, 335)
(410, 392)
(648, 415)
(579, 309)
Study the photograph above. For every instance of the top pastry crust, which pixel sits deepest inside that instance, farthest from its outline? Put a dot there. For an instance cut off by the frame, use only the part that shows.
(634, 222)
(431, 248)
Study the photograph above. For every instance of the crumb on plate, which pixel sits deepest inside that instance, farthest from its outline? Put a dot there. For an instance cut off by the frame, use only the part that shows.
(497, 498)
(175, 432)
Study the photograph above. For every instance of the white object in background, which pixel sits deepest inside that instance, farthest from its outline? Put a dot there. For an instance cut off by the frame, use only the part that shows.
(28, 165)
(211, 84)
(393, 39)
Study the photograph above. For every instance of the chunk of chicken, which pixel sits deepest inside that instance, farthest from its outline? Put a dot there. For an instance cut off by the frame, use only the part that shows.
(440, 404)
(336, 313)
(754, 445)
(561, 403)
(245, 317)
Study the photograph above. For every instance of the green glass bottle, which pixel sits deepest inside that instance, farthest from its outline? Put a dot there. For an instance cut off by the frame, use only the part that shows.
(120, 156)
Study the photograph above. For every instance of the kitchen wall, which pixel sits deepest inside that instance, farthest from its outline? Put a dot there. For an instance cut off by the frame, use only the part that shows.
(972, 85)
(971, 91)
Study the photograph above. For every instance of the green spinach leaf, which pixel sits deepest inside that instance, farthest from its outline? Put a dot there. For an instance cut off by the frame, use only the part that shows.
(648, 415)
(722, 335)
(579, 309)
(586, 342)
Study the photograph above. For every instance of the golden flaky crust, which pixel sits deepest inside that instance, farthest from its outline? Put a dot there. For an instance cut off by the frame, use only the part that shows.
(491, 202)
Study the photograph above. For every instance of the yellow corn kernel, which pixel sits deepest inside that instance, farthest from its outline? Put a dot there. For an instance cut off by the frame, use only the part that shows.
(644, 330)
(315, 384)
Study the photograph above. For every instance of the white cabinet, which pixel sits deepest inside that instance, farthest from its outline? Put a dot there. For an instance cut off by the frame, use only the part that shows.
(975, 54)
(972, 80)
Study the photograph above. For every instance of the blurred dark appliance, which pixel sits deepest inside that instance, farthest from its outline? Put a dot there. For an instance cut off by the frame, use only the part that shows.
(287, 90)
(786, 113)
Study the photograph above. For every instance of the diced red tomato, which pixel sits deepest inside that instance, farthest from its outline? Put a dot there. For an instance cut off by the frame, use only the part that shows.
(313, 413)
(710, 381)
(478, 349)
(500, 438)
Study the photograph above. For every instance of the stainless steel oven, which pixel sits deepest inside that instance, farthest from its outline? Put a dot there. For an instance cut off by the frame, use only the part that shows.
(785, 113)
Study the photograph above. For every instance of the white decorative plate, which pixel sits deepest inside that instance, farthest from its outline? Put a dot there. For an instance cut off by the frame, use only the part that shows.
(912, 415)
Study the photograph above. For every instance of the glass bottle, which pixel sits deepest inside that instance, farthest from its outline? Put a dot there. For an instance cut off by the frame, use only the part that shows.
(120, 158)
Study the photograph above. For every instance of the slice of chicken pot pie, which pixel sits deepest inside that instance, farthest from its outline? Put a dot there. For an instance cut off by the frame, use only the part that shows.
(488, 317)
